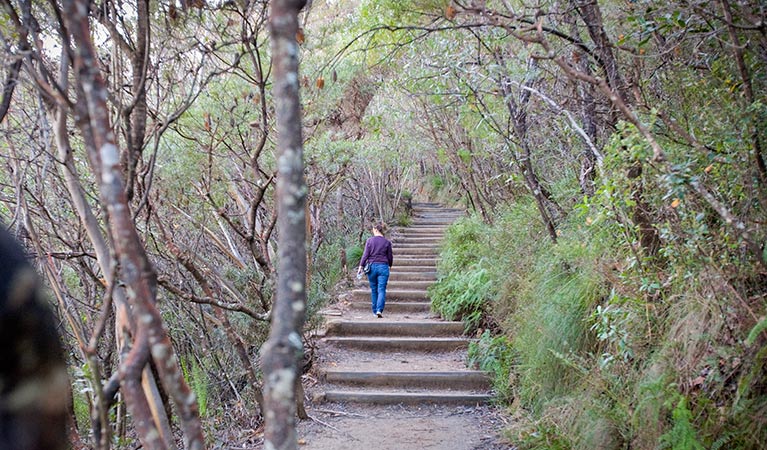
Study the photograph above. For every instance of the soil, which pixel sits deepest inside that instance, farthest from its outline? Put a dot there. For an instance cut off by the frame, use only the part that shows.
(430, 427)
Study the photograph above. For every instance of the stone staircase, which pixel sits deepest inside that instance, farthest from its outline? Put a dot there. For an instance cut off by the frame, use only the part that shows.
(410, 355)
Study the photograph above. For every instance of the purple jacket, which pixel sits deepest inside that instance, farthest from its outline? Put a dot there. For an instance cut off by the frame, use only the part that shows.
(377, 250)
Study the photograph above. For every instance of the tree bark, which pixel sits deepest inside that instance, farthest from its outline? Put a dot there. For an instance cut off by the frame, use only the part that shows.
(282, 351)
(136, 112)
(136, 272)
(518, 114)
(748, 90)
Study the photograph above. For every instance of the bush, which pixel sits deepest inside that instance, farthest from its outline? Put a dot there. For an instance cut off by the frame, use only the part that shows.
(494, 354)
(463, 288)
(462, 296)
(353, 255)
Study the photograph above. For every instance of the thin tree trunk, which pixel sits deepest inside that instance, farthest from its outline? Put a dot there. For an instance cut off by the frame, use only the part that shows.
(135, 270)
(748, 89)
(186, 261)
(281, 353)
(135, 114)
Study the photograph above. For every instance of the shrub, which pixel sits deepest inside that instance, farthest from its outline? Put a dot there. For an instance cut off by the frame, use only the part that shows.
(494, 354)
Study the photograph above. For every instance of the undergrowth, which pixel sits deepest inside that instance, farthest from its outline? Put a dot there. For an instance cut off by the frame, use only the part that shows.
(591, 347)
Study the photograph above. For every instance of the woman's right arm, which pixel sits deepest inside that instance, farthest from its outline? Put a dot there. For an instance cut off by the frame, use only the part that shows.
(365, 256)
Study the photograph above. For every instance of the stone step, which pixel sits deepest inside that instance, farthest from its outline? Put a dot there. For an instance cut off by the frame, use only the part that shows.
(384, 327)
(420, 262)
(412, 241)
(417, 239)
(393, 295)
(429, 247)
(437, 231)
(433, 220)
(412, 276)
(437, 208)
(388, 343)
(412, 268)
(411, 398)
(423, 223)
(473, 380)
(393, 307)
(413, 252)
(408, 285)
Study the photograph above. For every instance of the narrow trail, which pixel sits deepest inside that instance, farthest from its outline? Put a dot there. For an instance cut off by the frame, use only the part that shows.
(399, 382)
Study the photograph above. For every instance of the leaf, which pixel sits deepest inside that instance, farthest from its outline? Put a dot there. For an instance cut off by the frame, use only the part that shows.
(300, 36)
(754, 333)
(450, 12)
(320, 83)
(675, 203)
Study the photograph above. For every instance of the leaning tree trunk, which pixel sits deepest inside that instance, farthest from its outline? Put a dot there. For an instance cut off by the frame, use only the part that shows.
(151, 339)
(282, 351)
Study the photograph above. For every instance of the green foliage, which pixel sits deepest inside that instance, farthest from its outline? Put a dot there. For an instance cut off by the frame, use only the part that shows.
(81, 402)
(542, 436)
(494, 354)
(462, 296)
(462, 243)
(403, 219)
(682, 435)
(463, 288)
(759, 328)
(353, 255)
(553, 321)
(198, 382)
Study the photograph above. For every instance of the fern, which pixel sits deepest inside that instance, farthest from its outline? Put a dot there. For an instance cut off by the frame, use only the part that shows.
(682, 435)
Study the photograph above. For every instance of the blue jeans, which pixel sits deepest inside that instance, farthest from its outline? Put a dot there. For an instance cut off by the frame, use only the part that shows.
(378, 277)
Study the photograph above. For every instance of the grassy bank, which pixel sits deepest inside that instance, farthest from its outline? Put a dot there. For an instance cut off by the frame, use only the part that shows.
(593, 347)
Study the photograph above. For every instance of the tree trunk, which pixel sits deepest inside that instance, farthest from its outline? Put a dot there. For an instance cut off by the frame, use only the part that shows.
(748, 90)
(135, 114)
(136, 272)
(281, 353)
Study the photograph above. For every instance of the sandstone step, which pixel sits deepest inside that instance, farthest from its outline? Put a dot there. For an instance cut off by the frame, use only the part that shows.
(384, 327)
(400, 246)
(393, 295)
(415, 252)
(384, 344)
(416, 240)
(393, 307)
(417, 231)
(412, 268)
(420, 218)
(465, 379)
(420, 262)
(408, 285)
(389, 398)
(412, 276)
(433, 220)
(434, 207)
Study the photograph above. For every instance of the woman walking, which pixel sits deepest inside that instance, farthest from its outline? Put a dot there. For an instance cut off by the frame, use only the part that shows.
(378, 254)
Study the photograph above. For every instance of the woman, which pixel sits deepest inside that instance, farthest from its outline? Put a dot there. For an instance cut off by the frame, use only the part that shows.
(379, 255)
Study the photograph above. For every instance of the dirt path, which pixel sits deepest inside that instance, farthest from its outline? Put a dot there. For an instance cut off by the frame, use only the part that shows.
(401, 427)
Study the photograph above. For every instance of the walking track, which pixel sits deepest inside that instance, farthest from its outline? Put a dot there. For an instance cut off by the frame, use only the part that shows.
(401, 381)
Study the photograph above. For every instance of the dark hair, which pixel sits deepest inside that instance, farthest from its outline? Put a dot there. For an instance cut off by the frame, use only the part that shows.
(380, 226)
